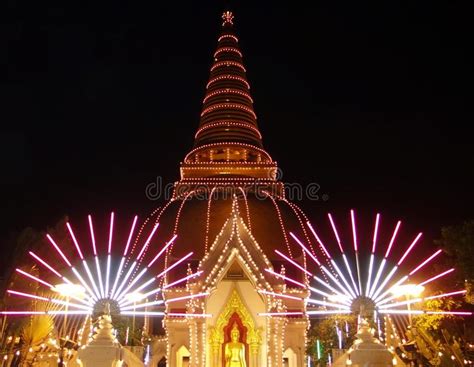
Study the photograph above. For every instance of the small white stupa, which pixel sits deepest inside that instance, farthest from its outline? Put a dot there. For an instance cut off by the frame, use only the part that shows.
(103, 350)
(367, 351)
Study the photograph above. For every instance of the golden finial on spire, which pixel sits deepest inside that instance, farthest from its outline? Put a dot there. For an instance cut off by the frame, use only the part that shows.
(228, 17)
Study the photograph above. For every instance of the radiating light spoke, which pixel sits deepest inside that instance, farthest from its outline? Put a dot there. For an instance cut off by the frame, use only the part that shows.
(192, 296)
(385, 282)
(99, 275)
(117, 276)
(377, 277)
(187, 277)
(91, 279)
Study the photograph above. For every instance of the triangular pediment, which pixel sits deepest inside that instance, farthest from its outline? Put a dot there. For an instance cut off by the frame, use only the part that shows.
(235, 272)
(235, 253)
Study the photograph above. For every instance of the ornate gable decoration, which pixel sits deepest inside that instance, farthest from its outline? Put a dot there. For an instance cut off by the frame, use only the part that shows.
(235, 241)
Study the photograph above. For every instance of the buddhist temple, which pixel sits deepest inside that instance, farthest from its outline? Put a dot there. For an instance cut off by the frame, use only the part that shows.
(230, 209)
(227, 271)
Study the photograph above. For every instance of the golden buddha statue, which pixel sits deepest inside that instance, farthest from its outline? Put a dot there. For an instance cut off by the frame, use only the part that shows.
(235, 350)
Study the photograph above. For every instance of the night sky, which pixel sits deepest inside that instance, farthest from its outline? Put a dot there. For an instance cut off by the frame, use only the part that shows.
(369, 100)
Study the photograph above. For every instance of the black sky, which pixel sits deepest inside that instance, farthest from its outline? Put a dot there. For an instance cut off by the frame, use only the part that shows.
(370, 100)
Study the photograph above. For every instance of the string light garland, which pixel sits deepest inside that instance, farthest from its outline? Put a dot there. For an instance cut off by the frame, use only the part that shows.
(208, 215)
(227, 106)
(228, 63)
(243, 165)
(247, 209)
(227, 77)
(228, 124)
(282, 224)
(227, 91)
(228, 49)
(228, 36)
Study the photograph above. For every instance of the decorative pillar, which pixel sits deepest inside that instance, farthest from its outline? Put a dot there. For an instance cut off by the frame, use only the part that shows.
(254, 340)
(193, 341)
(202, 341)
(177, 335)
(275, 337)
(215, 354)
(197, 337)
(170, 344)
(254, 349)
(215, 342)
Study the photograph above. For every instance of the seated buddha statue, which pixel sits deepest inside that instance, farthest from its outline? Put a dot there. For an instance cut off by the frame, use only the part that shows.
(235, 350)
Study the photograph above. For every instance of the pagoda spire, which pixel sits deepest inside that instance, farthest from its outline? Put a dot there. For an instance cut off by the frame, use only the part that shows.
(228, 145)
(227, 114)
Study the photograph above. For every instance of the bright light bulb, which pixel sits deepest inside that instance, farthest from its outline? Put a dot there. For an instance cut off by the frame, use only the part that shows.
(69, 290)
(407, 290)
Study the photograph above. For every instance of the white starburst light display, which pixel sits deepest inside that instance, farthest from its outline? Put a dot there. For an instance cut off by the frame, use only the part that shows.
(104, 283)
(348, 288)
